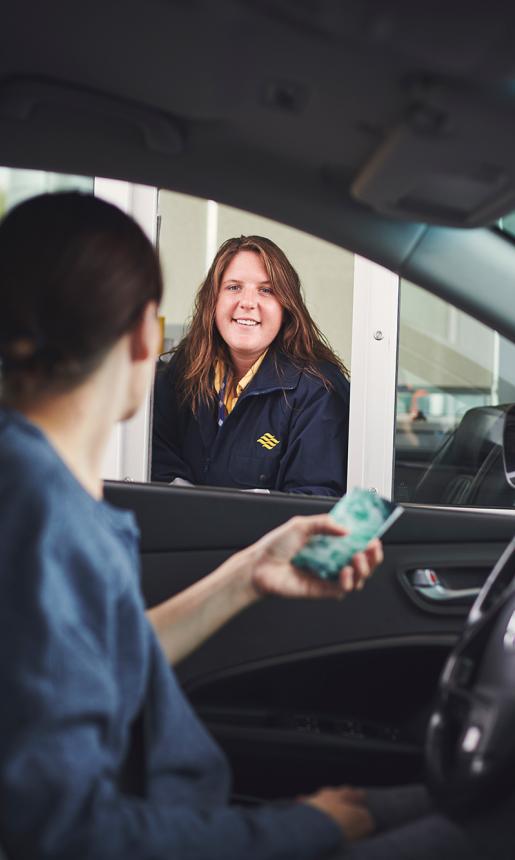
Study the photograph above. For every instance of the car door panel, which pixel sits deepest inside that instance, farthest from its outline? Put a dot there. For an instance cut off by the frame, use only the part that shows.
(355, 712)
(301, 693)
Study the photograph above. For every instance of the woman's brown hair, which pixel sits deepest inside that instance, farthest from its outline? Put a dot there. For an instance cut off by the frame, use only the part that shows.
(299, 337)
(76, 274)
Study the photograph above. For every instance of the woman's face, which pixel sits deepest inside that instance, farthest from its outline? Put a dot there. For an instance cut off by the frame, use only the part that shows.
(248, 315)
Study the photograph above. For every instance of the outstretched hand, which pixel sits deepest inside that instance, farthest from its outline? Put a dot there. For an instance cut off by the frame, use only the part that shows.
(273, 572)
(186, 620)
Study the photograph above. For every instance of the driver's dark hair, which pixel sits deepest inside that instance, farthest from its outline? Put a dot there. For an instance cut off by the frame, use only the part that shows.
(75, 275)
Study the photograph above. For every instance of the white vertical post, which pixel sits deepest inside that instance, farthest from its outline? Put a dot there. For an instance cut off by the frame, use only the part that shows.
(128, 452)
(211, 232)
(136, 431)
(496, 354)
(373, 381)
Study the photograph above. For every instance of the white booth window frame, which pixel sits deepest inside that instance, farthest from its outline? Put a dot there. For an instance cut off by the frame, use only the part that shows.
(127, 457)
(375, 324)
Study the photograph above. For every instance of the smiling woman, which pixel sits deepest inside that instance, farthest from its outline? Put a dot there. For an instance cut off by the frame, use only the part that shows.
(253, 396)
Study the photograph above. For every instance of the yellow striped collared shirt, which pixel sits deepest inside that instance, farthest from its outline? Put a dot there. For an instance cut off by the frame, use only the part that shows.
(231, 399)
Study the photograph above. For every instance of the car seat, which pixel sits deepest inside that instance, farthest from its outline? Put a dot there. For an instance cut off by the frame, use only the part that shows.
(469, 461)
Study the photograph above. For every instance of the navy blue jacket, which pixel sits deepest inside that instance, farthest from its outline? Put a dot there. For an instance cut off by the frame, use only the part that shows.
(78, 662)
(287, 432)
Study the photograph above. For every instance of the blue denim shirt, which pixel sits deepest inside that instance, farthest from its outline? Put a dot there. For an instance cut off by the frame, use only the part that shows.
(78, 662)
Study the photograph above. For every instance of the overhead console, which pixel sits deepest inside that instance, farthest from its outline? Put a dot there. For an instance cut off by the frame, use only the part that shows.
(448, 160)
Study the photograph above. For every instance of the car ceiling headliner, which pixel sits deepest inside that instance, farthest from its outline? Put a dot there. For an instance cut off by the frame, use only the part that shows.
(268, 105)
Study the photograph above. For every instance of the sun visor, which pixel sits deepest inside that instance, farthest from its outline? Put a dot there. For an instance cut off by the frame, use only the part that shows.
(449, 161)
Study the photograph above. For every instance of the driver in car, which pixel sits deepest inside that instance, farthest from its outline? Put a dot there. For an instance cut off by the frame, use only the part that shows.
(100, 754)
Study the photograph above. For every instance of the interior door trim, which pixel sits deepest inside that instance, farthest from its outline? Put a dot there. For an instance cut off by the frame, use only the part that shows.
(501, 512)
(437, 640)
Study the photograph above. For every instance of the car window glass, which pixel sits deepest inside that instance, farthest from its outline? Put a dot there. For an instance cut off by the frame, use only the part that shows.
(191, 231)
(455, 378)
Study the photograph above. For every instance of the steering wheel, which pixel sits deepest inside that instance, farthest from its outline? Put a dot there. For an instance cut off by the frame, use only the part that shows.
(470, 744)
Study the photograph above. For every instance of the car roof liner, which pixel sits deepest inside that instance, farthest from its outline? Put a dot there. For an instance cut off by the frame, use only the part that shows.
(452, 38)
(24, 100)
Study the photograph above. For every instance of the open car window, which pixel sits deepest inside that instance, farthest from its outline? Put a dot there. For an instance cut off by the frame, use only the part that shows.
(456, 380)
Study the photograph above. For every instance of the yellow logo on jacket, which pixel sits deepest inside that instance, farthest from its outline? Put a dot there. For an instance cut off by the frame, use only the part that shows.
(268, 441)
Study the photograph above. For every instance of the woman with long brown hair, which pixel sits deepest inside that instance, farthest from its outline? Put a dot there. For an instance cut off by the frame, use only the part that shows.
(253, 396)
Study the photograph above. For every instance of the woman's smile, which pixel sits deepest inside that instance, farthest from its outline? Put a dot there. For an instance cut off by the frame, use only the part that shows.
(246, 322)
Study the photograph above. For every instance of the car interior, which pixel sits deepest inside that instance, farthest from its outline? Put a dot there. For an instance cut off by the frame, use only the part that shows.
(385, 129)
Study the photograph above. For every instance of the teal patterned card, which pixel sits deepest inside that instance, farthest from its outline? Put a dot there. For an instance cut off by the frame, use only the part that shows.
(366, 515)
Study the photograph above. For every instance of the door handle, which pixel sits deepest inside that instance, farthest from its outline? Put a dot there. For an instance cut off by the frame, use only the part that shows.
(426, 583)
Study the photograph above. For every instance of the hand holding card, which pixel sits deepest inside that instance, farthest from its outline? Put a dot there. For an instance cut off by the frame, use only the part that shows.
(365, 515)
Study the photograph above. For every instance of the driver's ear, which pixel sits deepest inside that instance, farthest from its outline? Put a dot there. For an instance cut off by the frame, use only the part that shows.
(144, 337)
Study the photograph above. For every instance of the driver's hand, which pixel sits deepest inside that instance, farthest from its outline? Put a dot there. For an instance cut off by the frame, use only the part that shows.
(272, 572)
(346, 807)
